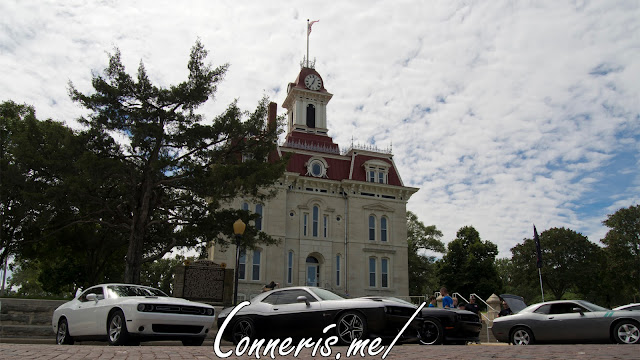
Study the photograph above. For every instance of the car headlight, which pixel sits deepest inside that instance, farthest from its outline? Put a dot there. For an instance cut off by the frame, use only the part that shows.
(145, 307)
(210, 312)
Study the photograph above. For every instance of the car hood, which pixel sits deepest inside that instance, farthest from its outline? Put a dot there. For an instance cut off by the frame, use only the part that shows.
(515, 302)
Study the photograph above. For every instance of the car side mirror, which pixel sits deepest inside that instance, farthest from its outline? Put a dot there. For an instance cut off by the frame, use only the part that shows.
(92, 297)
(578, 310)
(303, 299)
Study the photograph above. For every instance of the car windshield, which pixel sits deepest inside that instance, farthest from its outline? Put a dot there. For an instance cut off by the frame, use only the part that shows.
(326, 294)
(116, 291)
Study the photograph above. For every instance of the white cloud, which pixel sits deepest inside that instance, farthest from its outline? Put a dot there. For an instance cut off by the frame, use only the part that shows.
(503, 113)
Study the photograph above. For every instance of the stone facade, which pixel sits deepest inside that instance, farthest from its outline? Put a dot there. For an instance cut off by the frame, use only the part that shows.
(340, 216)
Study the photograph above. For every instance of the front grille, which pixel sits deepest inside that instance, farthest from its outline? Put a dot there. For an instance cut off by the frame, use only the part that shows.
(469, 317)
(175, 309)
(176, 329)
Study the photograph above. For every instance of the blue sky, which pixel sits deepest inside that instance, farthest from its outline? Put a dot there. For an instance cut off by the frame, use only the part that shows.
(503, 113)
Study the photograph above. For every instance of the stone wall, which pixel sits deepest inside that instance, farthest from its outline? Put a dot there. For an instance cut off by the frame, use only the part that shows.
(27, 318)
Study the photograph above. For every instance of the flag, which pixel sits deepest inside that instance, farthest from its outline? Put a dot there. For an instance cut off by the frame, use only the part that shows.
(538, 251)
(309, 27)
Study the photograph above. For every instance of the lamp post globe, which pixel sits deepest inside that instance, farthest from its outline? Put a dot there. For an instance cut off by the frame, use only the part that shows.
(238, 229)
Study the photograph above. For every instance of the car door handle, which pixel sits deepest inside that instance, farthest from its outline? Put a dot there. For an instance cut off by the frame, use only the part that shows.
(276, 309)
(551, 317)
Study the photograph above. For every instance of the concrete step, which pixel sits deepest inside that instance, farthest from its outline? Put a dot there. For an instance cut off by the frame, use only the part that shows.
(26, 331)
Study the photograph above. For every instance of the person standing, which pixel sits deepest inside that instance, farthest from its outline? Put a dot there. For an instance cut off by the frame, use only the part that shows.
(433, 301)
(472, 306)
(506, 310)
(447, 301)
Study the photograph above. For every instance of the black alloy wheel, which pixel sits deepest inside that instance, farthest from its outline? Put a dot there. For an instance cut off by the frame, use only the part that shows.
(431, 332)
(244, 327)
(351, 326)
(62, 336)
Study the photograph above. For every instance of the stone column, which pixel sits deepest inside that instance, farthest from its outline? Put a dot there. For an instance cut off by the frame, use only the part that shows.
(494, 302)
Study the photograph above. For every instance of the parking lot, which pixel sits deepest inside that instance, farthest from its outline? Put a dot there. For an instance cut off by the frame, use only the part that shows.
(399, 352)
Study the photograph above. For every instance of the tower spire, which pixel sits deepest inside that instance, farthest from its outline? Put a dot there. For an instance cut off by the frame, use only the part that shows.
(309, 25)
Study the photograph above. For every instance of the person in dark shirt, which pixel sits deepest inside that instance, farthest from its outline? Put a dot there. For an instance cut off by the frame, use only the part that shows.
(472, 306)
(506, 310)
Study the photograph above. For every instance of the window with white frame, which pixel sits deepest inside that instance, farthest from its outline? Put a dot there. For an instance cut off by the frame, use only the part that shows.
(290, 267)
(242, 262)
(305, 223)
(372, 272)
(338, 270)
(325, 226)
(372, 227)
(315, 219)
(256, 265)
(383, 228)
(384, 269)
(377, 171)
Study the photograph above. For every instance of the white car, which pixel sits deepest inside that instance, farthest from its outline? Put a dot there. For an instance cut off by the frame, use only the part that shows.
(127, 314)
(629, 307)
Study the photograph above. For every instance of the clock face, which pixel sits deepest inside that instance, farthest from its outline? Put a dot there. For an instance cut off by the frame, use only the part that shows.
(313, 82)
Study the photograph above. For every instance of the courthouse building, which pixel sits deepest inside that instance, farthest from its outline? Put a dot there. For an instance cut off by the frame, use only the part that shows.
(340, 215)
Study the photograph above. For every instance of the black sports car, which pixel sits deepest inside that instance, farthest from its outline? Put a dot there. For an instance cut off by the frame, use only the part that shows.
(446, 326)
(299, 312)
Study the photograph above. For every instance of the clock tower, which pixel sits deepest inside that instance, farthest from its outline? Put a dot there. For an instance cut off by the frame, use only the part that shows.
(306, 103)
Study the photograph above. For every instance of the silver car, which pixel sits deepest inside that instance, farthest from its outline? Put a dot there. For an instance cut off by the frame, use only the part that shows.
(568, 321)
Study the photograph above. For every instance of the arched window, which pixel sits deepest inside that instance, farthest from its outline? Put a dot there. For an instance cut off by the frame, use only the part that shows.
(255, 270)
(372, 272)
(383, 229)
(290, 267)
(313, 271)
(316, 214)
(311, 116)
(338, 270)
(372, 227)
(242, 262)
(259, 219)
(384, 268)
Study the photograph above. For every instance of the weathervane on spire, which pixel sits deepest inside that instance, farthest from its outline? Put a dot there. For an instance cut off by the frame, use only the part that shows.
(309, 24)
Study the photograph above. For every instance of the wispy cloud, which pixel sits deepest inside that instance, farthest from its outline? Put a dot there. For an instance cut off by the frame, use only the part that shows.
(503, 113)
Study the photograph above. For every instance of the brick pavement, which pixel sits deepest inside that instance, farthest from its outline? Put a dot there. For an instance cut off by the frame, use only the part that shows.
(399, 352)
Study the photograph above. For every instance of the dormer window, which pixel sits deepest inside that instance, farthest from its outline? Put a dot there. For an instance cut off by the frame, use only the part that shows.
(317, 167)
(377, 171)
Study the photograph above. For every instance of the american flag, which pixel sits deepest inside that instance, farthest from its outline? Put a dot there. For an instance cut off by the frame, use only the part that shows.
(309, 27)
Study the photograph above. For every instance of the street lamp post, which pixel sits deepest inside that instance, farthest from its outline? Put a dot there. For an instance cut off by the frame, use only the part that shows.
(238, 229)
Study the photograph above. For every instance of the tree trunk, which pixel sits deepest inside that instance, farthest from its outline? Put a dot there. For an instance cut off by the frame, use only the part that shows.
(138, 230)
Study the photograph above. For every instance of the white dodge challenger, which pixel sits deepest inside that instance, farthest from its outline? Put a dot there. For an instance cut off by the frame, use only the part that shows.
(127, 314)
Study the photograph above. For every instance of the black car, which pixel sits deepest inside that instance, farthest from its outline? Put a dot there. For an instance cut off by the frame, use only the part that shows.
(446, 326)
(299, 312)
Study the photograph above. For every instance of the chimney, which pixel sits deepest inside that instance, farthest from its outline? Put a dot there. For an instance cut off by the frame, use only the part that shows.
(271, 115)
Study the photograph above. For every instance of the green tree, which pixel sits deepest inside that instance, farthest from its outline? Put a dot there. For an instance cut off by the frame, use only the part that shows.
(423, 277)
(161, 273)
(469, 265)
(622, 249)
(178, 168)
(570, 263)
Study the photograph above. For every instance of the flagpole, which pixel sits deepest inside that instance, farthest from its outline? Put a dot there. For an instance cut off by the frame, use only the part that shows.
(307, 42)
(541, 288)
(536, 239)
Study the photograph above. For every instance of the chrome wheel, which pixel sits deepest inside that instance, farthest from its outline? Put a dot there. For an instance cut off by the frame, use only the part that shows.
(243, 328)
(521, 336)
(627, 333)
(117, 328)
(351, 326)
(62, 336)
